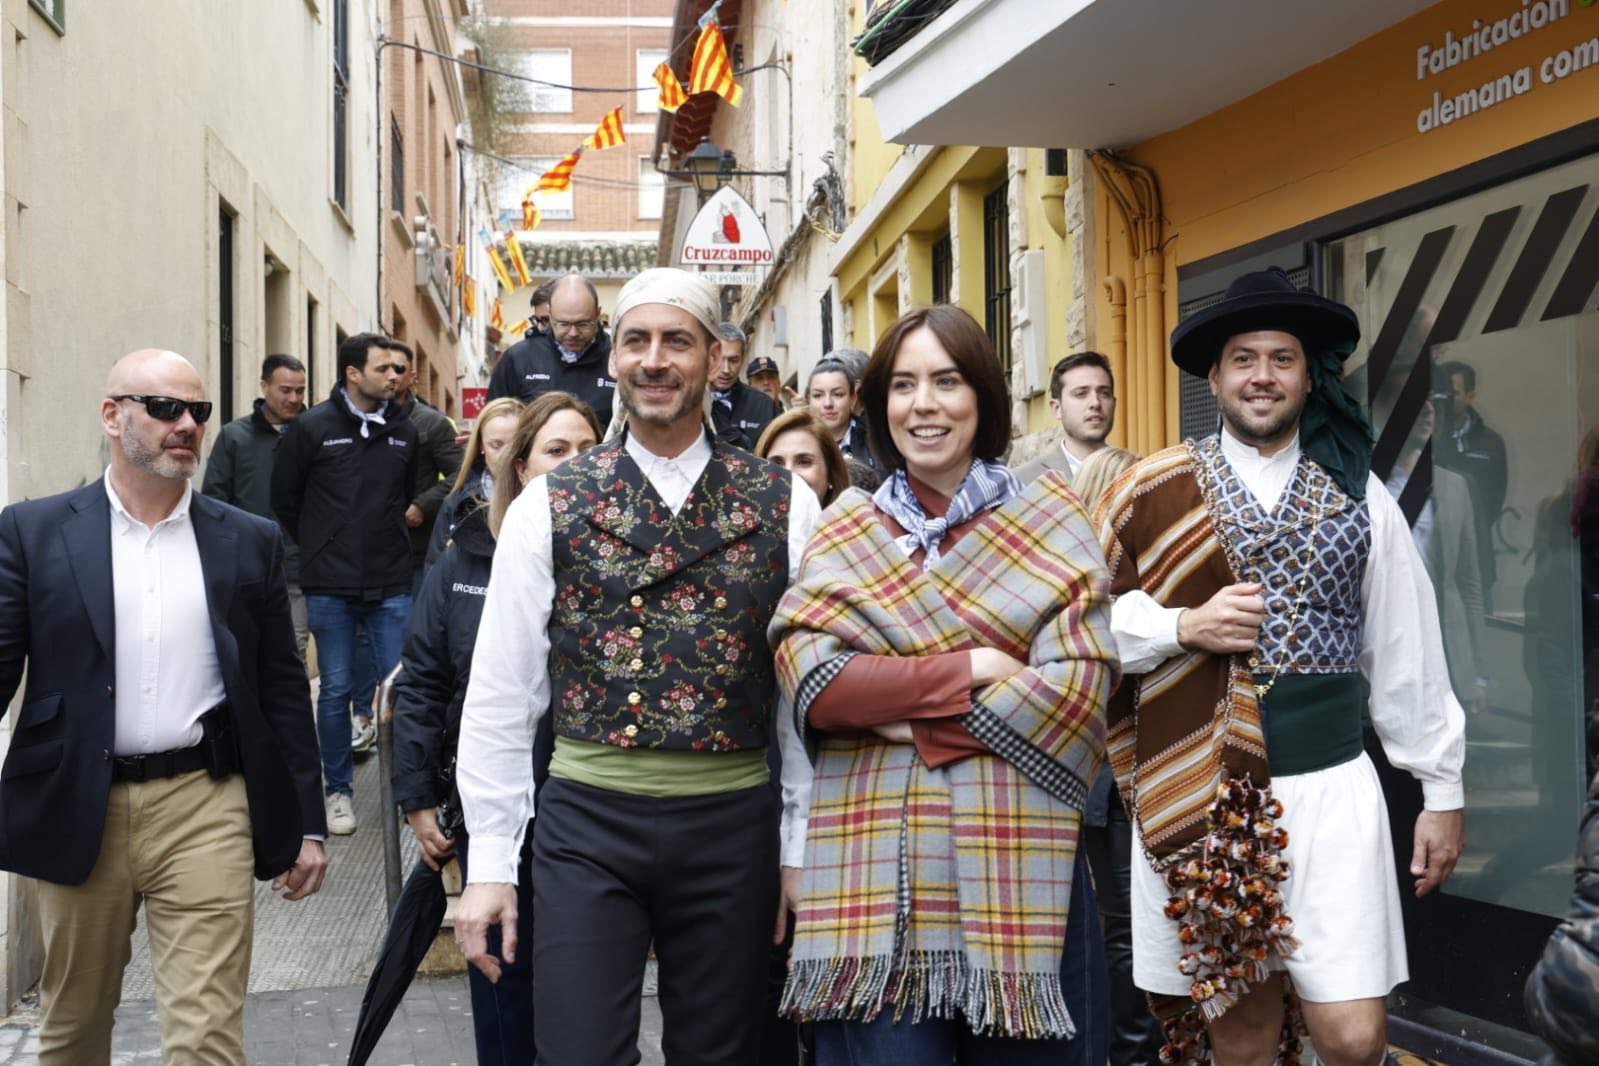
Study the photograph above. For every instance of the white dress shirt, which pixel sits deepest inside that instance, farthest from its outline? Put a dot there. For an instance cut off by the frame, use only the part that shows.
(166, 658)
(1417, 718)
(1073, 464)
(509, 689)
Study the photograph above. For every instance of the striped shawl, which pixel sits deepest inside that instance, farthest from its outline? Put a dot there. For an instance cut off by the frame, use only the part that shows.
(945, 892)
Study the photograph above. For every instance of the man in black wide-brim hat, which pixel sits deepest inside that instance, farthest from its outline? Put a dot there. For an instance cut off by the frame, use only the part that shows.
(1268, 595)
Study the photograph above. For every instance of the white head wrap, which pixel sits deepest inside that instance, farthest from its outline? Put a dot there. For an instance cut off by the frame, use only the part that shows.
(669, 285)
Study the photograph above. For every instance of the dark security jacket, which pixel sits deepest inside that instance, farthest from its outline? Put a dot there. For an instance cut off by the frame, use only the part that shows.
(437, 662)
(533, 365)
(1562, 994)
(342, 498)
(455, 505)
(239, 472)
(57, 615)
(438, 460)
(752, 411)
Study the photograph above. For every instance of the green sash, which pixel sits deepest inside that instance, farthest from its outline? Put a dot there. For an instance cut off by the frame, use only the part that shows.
(1313, 721)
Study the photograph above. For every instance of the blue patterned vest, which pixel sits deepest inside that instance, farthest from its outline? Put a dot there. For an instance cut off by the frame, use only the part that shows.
(1315, 526)
(658, 633)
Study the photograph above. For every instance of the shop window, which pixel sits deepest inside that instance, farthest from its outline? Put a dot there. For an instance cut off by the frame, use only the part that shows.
(996, 270)
(1480, 338)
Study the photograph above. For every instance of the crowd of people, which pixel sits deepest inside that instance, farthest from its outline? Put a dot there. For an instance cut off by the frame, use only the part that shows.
(887, 751)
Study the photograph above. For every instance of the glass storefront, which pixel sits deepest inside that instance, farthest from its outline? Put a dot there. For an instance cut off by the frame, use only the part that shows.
(1480, 366)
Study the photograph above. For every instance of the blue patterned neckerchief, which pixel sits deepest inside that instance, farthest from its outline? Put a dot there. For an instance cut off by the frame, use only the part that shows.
(987, 485)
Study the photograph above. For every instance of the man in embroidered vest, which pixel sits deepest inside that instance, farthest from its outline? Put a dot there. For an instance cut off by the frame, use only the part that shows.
(630, 599)
(1269, 594)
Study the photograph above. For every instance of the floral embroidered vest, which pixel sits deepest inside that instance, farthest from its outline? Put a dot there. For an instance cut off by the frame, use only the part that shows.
(1315, 544)
(658, 633)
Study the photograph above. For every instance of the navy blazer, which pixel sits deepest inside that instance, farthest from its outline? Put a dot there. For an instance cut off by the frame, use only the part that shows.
(58, 617)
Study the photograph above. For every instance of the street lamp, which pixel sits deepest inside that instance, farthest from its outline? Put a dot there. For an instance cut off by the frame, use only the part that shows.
(710, 167)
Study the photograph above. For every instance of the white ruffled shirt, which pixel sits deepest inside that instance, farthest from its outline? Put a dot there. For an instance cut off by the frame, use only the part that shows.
(1420, 723)
(509, 691)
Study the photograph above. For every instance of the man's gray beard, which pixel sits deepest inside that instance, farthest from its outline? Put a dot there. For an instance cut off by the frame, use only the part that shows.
(156, 461)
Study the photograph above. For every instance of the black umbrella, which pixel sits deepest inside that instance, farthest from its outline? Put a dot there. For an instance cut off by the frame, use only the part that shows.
(418, 915)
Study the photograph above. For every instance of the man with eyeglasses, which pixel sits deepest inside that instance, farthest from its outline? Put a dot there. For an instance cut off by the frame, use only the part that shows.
(162, 751)
(342, 479)
(574, 356)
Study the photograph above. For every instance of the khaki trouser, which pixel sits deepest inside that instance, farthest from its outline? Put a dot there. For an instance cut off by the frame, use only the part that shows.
(182, 845)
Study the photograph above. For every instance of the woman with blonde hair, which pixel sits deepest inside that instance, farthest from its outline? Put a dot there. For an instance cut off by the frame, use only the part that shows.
(797, 441)
(434, 669)
(474, 484)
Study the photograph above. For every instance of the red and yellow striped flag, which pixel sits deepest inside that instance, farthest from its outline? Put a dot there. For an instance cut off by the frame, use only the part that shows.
(494, 258)
(518, 329)
(559, 177)
(513, 248)
(468, 299)
(497, 316)
(672, 95)
(608, 134)
(713, 71)
(531, 215)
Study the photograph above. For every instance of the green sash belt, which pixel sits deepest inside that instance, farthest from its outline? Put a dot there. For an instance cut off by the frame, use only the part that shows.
(1313, 721)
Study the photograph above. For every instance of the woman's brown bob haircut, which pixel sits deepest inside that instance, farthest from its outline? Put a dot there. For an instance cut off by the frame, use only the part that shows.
(806, 421)
(973, 355)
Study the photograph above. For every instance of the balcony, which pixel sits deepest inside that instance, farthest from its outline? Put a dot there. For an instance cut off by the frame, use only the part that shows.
(1095, 73)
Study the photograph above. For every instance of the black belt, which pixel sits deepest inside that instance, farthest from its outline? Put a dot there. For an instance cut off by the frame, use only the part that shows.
(159, 764)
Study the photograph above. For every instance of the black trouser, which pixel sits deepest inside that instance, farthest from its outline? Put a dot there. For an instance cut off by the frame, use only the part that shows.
(1135, 1038)
(611, 871)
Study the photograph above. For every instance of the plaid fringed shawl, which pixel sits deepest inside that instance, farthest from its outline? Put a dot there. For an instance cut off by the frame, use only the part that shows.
(945, 892)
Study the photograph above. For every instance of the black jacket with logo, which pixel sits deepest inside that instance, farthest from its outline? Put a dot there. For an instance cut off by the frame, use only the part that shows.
(751, 413)
(438, 461)
(436, 663)
(342, 497)
(533, 365)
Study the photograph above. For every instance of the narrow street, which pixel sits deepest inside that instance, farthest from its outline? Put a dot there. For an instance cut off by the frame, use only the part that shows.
(309, 970)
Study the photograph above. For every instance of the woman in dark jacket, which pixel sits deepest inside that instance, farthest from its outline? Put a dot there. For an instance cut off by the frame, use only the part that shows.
(474, 484)
(1562, 995)
(434, 669)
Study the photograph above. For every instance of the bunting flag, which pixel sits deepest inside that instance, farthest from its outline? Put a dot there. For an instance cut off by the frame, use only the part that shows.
(497, 316)
(531, 215)
(713, 71)
(519, 328)
(559, 177)
(460, 264)
(513, 248)
(672, 95)
(495, 261)
(608, 134)
(468, 299)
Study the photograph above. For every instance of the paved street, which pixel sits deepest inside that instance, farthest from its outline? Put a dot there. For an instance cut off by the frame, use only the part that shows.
(311, 962)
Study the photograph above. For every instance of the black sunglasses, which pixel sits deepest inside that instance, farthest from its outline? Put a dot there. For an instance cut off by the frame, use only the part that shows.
(167, 409)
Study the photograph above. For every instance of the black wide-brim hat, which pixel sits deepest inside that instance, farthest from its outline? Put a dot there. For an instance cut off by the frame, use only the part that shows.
(1264, 300)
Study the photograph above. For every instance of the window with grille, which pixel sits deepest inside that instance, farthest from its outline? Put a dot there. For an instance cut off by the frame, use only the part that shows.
(341, 103)
(943, 269)
(396, 168)
(996, 270)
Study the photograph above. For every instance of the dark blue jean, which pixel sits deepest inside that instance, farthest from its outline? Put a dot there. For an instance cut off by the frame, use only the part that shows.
(937, 1042)
(333, 621)
(502, 1012)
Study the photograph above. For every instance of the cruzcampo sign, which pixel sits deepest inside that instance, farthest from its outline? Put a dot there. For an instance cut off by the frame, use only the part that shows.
(726, 232)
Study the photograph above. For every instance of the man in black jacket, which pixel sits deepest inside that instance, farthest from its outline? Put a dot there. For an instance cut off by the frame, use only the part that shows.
(162, 752)
(739, 411)
(574, 356)
(344, 473)
(239, 470)
(438, 460)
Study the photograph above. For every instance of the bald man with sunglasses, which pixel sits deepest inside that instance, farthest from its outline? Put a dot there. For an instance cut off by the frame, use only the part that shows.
(163, 751)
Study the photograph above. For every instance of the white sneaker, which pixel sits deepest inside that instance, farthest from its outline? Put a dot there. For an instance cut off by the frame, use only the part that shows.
(362, 733)
(341, 815)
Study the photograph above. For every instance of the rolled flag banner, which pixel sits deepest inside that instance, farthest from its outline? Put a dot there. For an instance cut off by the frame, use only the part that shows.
(497, 316)
(469, 298)
(531, 215)
(713, 71)
(519, 328)
(460, 263)
(559, 177)
(608, 134)
(672, 95)
(513, 249)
